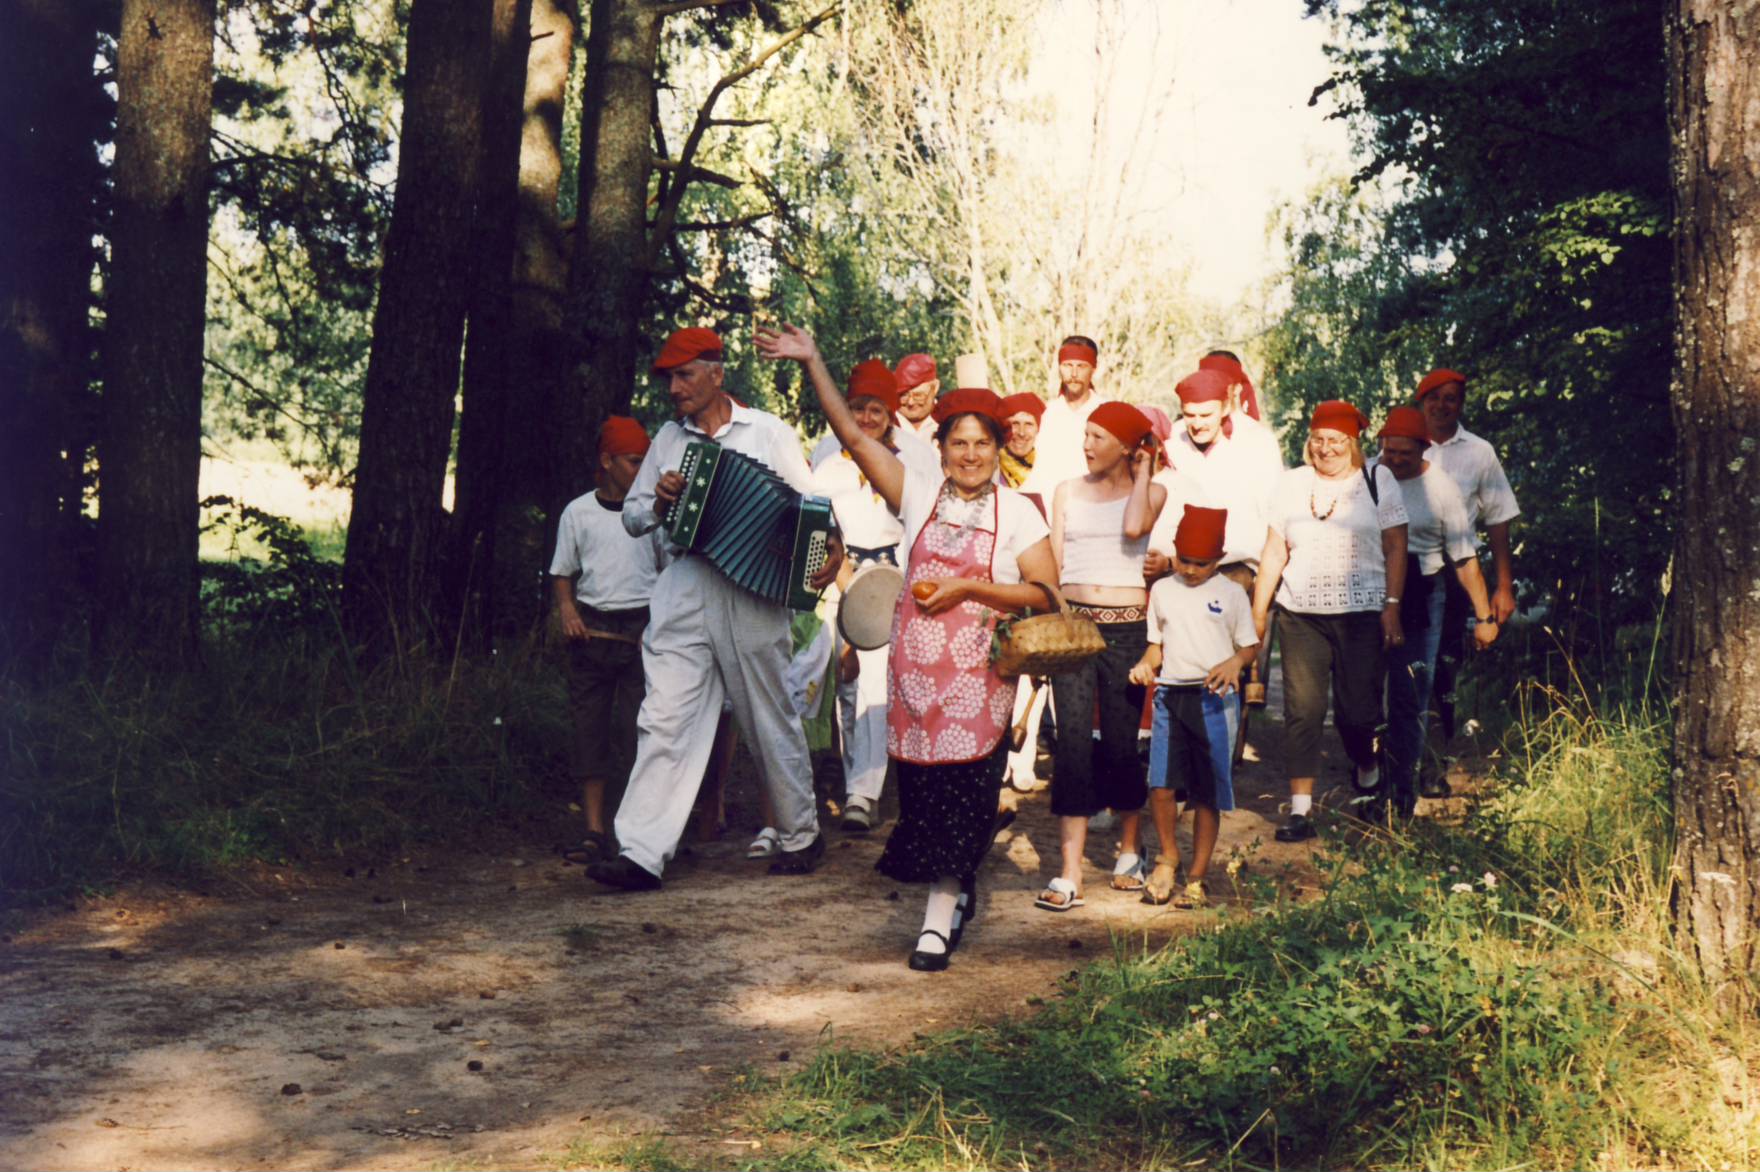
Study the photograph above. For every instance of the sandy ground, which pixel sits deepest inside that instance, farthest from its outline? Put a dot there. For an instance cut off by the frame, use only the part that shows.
(492, 1009)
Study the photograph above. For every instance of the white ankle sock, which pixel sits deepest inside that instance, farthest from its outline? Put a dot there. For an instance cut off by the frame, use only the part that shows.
(938, 915)
(1369, 778)
(1301, 804)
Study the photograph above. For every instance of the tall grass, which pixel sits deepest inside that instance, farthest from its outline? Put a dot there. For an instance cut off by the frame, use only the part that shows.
(1499, 994)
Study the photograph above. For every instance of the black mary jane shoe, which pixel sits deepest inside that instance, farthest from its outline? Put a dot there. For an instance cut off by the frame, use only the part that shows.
(931, 962)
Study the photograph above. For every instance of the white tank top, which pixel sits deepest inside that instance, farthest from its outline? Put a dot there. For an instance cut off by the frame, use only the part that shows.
(1095, 552)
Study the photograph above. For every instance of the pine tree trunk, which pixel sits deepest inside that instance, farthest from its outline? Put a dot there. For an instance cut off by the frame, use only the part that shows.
(150, 450)
(396, 530)
(1714, 110)
(608, 280)
(49, 178)
(479, 578)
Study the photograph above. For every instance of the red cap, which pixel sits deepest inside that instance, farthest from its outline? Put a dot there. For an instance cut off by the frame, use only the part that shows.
(1160, 425)
(1406, 423)
(1337, 415)
(1076, 352)
(1122, 420)
(1207, 385)
(1439, 377)
(620, 435)
(1199, 536)
(1026, 402)
(968, 401)
(873, 380)
(914, 370)
(688, 345)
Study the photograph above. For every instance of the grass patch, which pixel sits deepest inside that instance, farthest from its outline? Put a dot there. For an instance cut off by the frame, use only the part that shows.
(1499, 994)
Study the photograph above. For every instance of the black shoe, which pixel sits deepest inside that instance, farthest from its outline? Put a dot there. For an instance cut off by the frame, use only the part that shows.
(800, 862)
(1296, 828)
(1434, 785)
(931, 962)
(624, 872)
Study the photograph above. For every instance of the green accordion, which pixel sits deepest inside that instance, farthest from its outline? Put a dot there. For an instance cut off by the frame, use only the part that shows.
(762, 534)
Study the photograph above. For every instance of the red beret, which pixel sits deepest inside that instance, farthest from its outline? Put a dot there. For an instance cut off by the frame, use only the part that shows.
(1437, 378)
(688, 345)
(1076, 352)
(1406, 423)
(620, 435)
(1122, 420)
(914, 370)
(873, 380)
(1026, 402)
(1205, 386)
(1199, 536)
(1338, 415)
(1160, 426)
(968, 401)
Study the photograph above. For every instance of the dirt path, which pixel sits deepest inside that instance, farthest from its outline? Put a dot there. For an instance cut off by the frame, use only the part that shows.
(338, 1019)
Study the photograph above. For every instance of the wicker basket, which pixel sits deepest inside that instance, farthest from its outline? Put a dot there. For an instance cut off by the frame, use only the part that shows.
(1045, 644)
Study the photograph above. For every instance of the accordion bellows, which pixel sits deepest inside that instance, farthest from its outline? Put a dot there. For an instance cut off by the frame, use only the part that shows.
(763, 535)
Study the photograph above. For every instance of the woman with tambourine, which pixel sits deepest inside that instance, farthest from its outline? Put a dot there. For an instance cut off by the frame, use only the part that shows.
(973, 550)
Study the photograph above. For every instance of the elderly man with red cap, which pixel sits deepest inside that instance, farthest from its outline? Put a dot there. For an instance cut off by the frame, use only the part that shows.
(918, 386)
(1226, 462)
(871, 532)
(1064, 423)
(602, 578)
(1473, 465)
(708, 639)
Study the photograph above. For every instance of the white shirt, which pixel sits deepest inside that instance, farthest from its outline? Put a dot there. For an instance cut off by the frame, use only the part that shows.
(1336, 565)
(1019, 526)
(751, 432)
(1437, 528)
(1058, 454)
(1239, 473)
(617, 571)
(861, 512)
(924, 429)
(1197, 627)
(1474, 467)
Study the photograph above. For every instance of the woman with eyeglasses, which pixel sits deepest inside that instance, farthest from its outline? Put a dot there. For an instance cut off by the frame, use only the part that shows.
(1334, 565)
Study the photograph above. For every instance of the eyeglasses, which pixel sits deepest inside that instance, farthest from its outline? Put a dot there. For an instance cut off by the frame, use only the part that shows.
(1328, 444)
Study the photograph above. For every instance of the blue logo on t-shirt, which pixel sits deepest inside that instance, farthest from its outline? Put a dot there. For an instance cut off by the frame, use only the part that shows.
(1214, 607)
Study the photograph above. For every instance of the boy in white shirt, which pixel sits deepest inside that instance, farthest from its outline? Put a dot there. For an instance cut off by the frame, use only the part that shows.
(1201, 638)
(602, 579)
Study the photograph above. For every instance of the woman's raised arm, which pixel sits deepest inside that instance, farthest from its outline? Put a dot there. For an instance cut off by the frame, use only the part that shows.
(882, 467)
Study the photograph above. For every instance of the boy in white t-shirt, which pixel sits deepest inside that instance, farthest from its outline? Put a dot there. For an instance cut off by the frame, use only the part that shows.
(1201, 638)
(602, 579)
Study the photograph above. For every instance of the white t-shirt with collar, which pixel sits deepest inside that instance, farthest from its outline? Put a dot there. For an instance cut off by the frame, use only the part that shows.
(1197, 627)
(1472, 464)
(1018, 524)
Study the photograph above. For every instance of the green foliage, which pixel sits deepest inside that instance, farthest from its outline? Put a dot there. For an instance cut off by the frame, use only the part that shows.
(1511, 222)
(1498, 994)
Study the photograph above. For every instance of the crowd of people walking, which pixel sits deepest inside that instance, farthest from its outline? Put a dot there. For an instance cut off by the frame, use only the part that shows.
(1186, 541)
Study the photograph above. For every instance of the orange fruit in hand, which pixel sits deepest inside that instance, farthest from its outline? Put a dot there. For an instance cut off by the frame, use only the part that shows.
(922, 590)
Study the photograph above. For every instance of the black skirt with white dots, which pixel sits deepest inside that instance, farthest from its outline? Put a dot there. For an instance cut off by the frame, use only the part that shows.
(946, 818)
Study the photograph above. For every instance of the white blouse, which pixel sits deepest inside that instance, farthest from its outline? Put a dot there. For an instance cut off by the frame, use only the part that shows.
(1018, 524)
(1333, 529)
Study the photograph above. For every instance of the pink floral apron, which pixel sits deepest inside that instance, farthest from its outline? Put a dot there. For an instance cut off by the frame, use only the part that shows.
(944, 704)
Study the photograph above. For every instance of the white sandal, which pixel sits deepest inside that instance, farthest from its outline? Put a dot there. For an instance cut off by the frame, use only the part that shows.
(765, 845)
(1127, 872)
(1061, 887)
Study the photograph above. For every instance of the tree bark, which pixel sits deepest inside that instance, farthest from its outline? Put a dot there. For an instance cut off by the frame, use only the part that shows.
(396, 530)
(49, 180)
(609, 277)
(479, 579)
(1714, 111)
(150, 450)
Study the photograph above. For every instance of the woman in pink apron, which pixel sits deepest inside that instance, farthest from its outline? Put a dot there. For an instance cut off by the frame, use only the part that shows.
(975, 551)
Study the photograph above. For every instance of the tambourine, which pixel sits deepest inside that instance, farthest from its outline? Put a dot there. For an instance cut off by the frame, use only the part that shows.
(864, 614)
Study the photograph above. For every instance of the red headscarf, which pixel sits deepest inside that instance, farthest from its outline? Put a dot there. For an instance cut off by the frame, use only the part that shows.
(1199, 536)
(1439, 377)
(873, 380)
(914, 370)
(1338, 415)
(1160, 426)
(687, 346)
(1076, 352)
(1123, 421)
(1024, 403)
(1208, 385)
(1406, 423)
(968, 401)
(1236, 374)
(620, 435)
